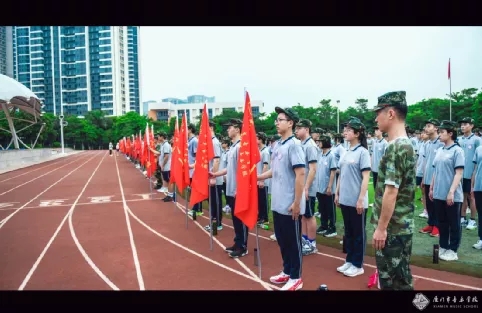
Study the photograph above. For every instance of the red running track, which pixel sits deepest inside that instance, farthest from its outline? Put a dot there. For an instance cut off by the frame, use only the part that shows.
(86, 222)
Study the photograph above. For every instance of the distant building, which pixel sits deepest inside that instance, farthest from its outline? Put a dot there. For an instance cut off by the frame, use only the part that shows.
(163, 111)
(190, 99)
(6, 51)
(78, 69)
(145, 107)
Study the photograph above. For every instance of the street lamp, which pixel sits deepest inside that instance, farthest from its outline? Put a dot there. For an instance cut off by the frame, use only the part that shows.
(338, 115)
(61, 117)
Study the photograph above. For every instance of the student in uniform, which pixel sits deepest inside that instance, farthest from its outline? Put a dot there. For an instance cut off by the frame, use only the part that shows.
(476, 192)
(261, 167)
(352, 196)
(433, 143)
(117, 149)
(192, 143)
(164, 163)
(287, 175)
(222, 165)
(111, 146)
(308, 221)
(240, 247)
(379, 145)
(419, 171)
(274, 140)
(215, 184)
(325, 182)
(469, 143)
(446, 190)
(393, 211)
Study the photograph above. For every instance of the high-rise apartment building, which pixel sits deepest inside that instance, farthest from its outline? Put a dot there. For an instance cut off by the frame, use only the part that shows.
(6, 51)
(79, 68)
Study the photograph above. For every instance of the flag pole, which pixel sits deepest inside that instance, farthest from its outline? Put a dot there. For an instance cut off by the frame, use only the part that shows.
(258, 253)
(450, 90)
(188, 195)
(209, 197)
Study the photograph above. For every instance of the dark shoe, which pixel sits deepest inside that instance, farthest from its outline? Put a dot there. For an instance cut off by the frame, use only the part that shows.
(230, 249)
(238, 253)
(167, 199)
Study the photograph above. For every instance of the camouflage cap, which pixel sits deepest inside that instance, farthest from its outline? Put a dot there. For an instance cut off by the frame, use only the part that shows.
(262, 136)
(318, 130)
(289, 112)
(448, 125)
(211, 123)
(467, 120)
(162, 134)
(433, 121)
(236, 122)
(355, 124)
(325, 138)
(391, 99)
(304, 123)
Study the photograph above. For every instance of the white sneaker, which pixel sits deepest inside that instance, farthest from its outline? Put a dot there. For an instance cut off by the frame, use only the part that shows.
(467, 211)
(344, 267)
(441, 251)
(471, 225)
(423, 214)
(478, 245)
(293, 285)
(226, 209)
(163, 189)
(273, 237)
(354, 271)
(317, 214)
(449, 255)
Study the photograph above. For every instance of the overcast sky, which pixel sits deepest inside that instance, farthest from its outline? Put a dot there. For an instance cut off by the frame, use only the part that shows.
(286, 65)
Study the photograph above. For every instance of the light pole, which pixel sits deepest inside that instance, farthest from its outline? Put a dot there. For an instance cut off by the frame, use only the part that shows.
(61, 117)
(338, 115)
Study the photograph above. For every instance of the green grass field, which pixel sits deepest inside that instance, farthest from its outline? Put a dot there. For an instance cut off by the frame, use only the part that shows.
(470, 260)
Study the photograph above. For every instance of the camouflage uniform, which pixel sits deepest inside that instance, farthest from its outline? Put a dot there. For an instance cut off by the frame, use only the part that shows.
(397, 168)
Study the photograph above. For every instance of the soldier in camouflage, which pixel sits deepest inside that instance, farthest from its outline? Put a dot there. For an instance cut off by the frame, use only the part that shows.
(393, 210)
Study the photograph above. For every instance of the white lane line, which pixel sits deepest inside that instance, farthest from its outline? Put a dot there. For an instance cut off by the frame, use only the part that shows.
(189, 250)
(76, 240)
(137, 265)
(79, 204)
(373, 266)
(5, 220)
(54, 162)
(246, 268)
(3, 193)
(69, 215)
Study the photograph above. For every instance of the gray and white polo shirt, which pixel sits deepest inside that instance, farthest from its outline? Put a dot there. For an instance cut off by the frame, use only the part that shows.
(355, 161)
(446, 161)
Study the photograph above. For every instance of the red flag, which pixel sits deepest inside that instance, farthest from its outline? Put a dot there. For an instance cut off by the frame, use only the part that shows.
(449, 68)
(205, 153)
(247, 177)
(175, 153)
(181, 171)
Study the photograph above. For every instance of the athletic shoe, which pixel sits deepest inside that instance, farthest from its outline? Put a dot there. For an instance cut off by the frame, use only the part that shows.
(238, 253)
(344, 267)
(435, 232)
(471, 225)
(273, 237)
(478, 245)
(281, 278)
(353, 271)
(441, 251)
(293, 285)
(449, 255)
(330, 233)
(426, 230)
(321, 230)
(230, 249)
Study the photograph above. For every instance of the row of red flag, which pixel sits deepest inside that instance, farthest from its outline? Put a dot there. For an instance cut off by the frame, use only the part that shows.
(247, 191)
